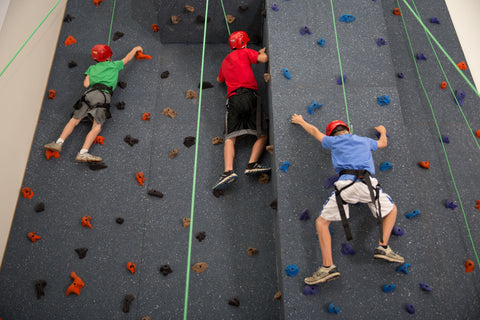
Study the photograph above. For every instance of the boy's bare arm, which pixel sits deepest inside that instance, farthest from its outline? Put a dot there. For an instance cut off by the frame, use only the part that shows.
(382, 141)
(86, 82)
(311, 129)
(131, 54)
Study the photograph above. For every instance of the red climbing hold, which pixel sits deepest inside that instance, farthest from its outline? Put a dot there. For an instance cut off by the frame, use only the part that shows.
(469, 265)
(146, 116)
(131, 267)
(155, 27)
(478, 205)
(97, 2)
(424, 164)
(140, 178)
(33, 237)
(27, 193)
(462, 65)
(86, 221)
(70, 40)
(51, 153)
(76, 286)
(397, 12)
(99, 140)
(140, 56)
(443, 85)
(52, 94)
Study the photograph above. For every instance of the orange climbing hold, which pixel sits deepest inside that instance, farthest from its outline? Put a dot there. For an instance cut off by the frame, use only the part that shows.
(469, 265)
(70, 40)
(478, 205)
(131, 267)
(140, 56)
(99, 140)
(76, 286)
(397, 12)
(97, 2)
(424, 164)
(33, 237)
(146, 116)
(51, 153)
(462, 65)
(52, 94)
(140, 178)
(86, 221)
(155, 27)
(27, 193)
(443, 85)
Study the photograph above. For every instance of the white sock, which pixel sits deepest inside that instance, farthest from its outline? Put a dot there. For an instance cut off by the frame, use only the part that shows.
(83, 151)
(60, 140)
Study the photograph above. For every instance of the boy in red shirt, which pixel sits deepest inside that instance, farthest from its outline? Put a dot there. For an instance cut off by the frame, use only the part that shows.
(244, 114)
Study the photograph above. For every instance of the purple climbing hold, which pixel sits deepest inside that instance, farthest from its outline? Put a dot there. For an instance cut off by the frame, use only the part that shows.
(304, 216)
(284, 166)
(445, 139)
(274, 7)
(459, 97)
(397, 231)
(400, 75)
(410, 308)
(434, 20)
(347, 249)
(449, 204)
(425, 287)
(339, 80)
(331, 180)
(404, 268)
(388, 288)
(305, 30)
(421, 56)
(381, 41)
(310, 290)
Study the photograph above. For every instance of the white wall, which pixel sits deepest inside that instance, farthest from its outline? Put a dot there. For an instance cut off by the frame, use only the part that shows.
(22, 89)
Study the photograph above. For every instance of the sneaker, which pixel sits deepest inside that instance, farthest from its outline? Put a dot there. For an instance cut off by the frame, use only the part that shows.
(387, 254)
(323, 275)
(87, 157)
(256, 168)
(225, 179)
(53, 146)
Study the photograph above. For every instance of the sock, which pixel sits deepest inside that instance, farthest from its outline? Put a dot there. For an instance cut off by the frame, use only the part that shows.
(83, 151)
(60, 140)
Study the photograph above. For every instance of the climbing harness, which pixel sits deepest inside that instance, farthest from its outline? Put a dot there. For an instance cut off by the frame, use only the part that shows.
(100, 88)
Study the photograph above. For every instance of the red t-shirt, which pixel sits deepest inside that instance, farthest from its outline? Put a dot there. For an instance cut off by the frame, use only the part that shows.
(236, 70)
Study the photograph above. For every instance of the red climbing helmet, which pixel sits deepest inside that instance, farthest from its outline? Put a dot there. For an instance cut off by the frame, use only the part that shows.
(332, 125)
(101, 52)
(238, 40)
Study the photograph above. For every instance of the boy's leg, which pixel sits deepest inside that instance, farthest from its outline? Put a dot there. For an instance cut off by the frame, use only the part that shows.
(325, 240)
(83, 155)
(383, 250)
(67, 130)
(258, 148)
(229, 153)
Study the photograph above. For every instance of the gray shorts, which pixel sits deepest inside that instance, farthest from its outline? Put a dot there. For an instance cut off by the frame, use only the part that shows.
(93, 98)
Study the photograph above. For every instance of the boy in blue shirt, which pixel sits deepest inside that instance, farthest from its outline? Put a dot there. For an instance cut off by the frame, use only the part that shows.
(352, 160)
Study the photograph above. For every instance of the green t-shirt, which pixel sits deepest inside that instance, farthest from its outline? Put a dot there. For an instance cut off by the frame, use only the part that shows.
(105, 73)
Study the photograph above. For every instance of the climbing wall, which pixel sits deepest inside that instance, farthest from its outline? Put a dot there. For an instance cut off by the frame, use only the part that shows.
(374, 48)
(151, 235)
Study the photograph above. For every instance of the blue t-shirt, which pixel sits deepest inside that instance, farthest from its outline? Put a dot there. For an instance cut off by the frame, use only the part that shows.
(351, 152)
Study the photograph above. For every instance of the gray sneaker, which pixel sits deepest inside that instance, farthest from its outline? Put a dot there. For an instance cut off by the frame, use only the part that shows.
(256, 169)
(323, 275)
(87, 157)
(54, 146)
(387, 254)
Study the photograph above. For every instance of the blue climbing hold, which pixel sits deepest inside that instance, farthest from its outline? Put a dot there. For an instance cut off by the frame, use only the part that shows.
(291, 270)
(449, 204)
(397, 231)
(330, 230)
(332, 308)
(385, 166)
(378, 135)
(383, 100)
(310, 290)
(347, 18)
(388, 288)
(400, 75)
(284, 166)
(329, 183)
(347, 249)
(339, 80)
(445, 139)
(274, 7)
(421, 56)
(460, 96)
(304, 216)
(404, 268)
(321, 42)
(410, 308)
(286, 73)
(381, 41)
(425, 287)
(412, 214)
(434, 20)
(305, 30)
(315, 105)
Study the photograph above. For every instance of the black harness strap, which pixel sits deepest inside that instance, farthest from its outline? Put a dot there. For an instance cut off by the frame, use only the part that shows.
(101, 88)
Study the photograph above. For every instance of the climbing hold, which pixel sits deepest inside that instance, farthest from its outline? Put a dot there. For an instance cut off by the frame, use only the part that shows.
(313, 107)
(383, 100)
(51, 153)
(72, 64)
(478, 133)
(122, 84)
(234, 302)
(97, 166)
(199, 267)
(86, 221)
(146, 116)
(131, 267)
(404, 268)
(164, 74)
(425, 287)
(286, 73)
(33, 236)
(139, 55)
(188, 8)
(459, 97)
(310, 290)
(155, 27)
(378, 134)
(347, 249)
(347, 18)
(76, 285)
(70, 40)
(165, 270)
(462, 65)
(68, 18)
(381, 41)
(169, 113)
(266, 77)
(385, 166)
(274, 204)
(424, 164)
(412, 214)
(175, 19)
(191, 94)
(304, 216)
(243, 8)
(205, 85)
(97, 2)
(201, 19)
(126, 303)
(469, 265)
(420, 56)
(140, 178)
(400, 75)
(39, 207)
(445, 139)
(99, 140)
(443, 85)
(185, 222)
(117, 35)
(52, 94)
(269, 149)
(130, 140)
(189, 141)
(119, 220)
(305, 30)
(339, 80)
(217, 140)
(284, 166)
(434, 20)
(329, 182)
(40, 287)
(397, 12)
(410, 308)
(449, 204)
(274, 7)
(82, 252)
(146, 318)
(332, 308)
(291, 270)
(478, 205)
(120, 105)
(27, 193)
(230, 18)
(252, 251)
(155, 193)
(397, 231)
(264, 178)
(173, 153)
(201, 236)
(321, 42)
(278, 295)
(388, 288)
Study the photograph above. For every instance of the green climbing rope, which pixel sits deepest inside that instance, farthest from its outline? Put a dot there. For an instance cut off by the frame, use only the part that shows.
(192, 208)
(225, 16)
(111, 22)
(440, 137)
(29, 37)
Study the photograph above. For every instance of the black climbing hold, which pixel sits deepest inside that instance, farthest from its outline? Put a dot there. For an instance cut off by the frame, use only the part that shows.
(201, 19)
(119, 220)
(201, 236)
(68, 18)
(165, 270)
(234, 302)
(117, 35)
(273, 204)
(400, 75)
(130, 140)
(40, 288)
(39, 207)
(189, 141)
(153, 192)
(217, 193)
(126, 302)
(206, 85)
(121, 105)
(164, 74)
(122, 84)
(72, 64)
(304, 216)
(82, 252)
(97, 165)
(243, 8)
